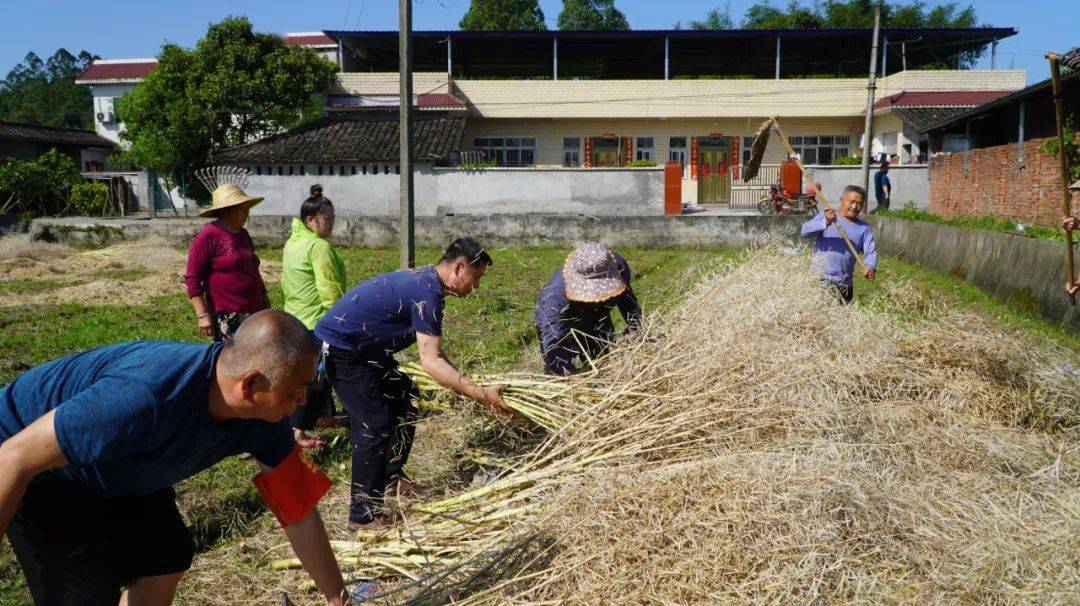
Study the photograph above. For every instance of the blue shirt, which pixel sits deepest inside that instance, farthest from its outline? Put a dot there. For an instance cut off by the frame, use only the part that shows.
(134, 418)
(381, 316)
(832, 253)
(557, 317)
(881, 181)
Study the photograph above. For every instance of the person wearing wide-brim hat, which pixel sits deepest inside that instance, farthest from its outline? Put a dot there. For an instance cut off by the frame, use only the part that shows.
(573, 312)
(222, 276)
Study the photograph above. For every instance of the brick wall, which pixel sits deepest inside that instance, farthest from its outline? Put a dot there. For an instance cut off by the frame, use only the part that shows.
(990, 181)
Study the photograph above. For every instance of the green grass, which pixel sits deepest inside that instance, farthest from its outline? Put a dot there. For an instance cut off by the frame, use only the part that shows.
(911, 213)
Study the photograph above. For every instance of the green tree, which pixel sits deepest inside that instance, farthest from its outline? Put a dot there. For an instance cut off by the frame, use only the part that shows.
(860, 14)
(38, 186)
(502, 15)
(234, 86)
(717, 18)
(591, 15)
(44, 92)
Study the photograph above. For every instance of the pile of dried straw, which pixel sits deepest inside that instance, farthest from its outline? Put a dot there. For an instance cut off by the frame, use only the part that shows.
(766, 445)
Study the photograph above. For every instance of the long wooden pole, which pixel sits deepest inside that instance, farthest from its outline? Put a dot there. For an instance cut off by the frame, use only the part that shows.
(405, 127)
(1063, 159)
(871, 88)
(791, 152)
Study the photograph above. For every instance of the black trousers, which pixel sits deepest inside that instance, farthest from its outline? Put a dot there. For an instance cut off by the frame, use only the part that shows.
(320, 397)
(382, 424)
(78, 547)
(844, 293)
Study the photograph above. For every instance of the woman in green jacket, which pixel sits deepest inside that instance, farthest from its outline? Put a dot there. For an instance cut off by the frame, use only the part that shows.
(312, 280)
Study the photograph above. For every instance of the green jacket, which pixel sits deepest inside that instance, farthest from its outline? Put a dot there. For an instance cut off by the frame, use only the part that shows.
(312, 275)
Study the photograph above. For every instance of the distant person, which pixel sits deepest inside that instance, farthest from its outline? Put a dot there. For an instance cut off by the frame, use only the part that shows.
(830, 250)
(573, 311)
(1071, 224)
(378, 318)
(92, 444)
(312, 281)
(882, 187)
(222, 276)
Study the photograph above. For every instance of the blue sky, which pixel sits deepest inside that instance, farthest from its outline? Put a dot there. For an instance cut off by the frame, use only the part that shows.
(129, 28)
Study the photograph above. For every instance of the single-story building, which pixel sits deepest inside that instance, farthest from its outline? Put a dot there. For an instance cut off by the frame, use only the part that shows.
(28, 141)
(992, 160)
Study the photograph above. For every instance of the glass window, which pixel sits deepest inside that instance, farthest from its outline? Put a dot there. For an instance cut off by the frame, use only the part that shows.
(821, 149)
(677, 151)
(507, 151)
(747, 148)
(644, 148)
(571, 151)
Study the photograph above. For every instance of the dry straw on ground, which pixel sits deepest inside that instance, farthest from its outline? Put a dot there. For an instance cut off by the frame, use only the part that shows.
(132, 273)
(762, 444)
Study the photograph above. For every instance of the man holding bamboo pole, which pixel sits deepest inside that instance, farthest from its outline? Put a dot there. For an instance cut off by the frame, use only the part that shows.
(363, 331)
(836, 257)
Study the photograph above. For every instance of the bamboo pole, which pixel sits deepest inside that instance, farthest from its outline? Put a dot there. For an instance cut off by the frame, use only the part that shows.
(791, 152)
(1066, 211)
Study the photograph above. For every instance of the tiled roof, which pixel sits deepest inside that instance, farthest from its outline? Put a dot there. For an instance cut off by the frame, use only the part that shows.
(1069, 79)
(338, 139)
(117, 70)
(36, 133)
(922, 117)
(956, 98)
(309, 39)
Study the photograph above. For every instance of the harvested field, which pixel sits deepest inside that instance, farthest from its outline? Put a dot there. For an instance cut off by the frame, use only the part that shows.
(124, 274)
(762, 444)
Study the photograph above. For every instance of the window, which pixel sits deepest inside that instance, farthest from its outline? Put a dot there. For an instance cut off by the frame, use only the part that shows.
(821, 149)
(291, 170)
(303, 169)
(352, 169)
(677, 150)
(571, 151)
(746, 149)
(644, 148)
(507, 151)
(258, 170)
(320, 170)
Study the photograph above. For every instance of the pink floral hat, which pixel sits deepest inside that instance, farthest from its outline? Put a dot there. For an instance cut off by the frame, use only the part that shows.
(591, 274)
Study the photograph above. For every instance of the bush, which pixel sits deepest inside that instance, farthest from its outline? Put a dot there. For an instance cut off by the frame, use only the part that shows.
(481, 165)
(39, 186)
(642, 163)
(911, 213)
(847, 161)
(90, 199)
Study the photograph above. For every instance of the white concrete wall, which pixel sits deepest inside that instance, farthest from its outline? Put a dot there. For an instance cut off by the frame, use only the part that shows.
(910, 183)
(443, 191)
(101, 93)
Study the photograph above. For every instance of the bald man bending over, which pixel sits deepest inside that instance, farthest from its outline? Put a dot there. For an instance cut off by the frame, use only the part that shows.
(91, 445)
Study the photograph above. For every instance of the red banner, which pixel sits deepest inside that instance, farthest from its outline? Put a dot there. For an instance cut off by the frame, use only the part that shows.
(693, 158)
(628, 150)
(588, 152)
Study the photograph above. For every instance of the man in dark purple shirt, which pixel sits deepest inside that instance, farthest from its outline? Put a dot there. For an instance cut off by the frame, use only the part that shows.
(367, 326)
(573, 312)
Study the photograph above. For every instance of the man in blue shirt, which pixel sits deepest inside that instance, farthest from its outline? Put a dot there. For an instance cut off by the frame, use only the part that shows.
(573, 312)
(367, 326)
(92, 444)
(882, 187)
(832, 254)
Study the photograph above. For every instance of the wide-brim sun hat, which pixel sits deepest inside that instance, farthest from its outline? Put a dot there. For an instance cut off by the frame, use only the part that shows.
(591, 274)
(226, 195)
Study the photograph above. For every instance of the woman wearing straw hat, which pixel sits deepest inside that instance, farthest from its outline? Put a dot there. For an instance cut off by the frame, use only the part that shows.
(573, 313)
(222, 276)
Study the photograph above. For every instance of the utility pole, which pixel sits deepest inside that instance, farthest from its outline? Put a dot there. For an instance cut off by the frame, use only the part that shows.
(871, 86)
(405, 127)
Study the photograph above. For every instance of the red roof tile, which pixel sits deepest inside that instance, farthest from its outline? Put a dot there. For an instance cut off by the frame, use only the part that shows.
(115, 71)
(953, 98)
(312, 39)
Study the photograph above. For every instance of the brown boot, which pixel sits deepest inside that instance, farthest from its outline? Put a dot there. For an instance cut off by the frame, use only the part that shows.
(378, 523)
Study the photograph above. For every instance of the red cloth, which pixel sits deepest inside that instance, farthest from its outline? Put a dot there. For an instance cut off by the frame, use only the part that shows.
(223, 266)
(293, 488)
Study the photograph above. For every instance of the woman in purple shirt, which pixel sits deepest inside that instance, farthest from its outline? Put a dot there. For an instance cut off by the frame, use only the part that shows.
(222, 276)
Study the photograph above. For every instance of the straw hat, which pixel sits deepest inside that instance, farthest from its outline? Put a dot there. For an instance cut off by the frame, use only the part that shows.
(226, 195)
(591, 274)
